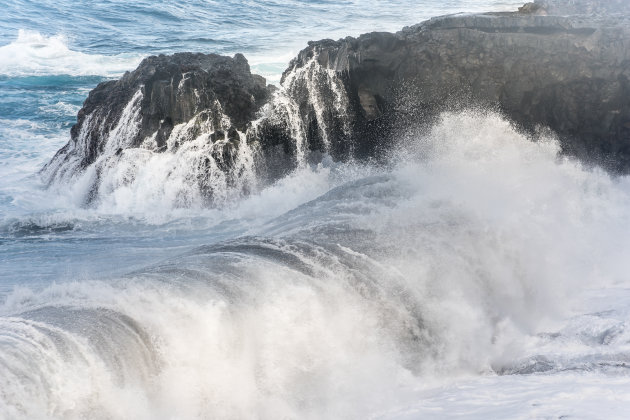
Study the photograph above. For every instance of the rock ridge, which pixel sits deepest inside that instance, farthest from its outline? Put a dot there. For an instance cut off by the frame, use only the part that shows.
(557, 64)
(567, 73)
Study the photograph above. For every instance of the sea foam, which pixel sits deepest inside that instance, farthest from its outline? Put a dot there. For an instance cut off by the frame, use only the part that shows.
(449, 264)
(35, 54)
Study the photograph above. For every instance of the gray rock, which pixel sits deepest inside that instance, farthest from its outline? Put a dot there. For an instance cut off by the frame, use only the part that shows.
(568, 73)
(558, 64)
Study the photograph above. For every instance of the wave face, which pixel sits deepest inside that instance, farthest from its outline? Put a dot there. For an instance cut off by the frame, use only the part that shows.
(471, 272)
(448, 262)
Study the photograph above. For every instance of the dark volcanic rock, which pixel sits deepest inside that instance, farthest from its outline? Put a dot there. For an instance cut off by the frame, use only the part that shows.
(143, 107)
(571, 74)
(559, 64)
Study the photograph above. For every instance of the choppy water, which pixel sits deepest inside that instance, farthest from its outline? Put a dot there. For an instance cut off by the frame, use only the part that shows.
(478, 274)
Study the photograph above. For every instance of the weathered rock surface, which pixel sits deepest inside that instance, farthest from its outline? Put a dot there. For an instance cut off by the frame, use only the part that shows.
(571, 74)
(214, 95)
(558, 64)
(583, 7)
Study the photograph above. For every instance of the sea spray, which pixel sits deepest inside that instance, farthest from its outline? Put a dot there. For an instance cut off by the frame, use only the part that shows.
(35, 54)
(446, 264)
(175, 137)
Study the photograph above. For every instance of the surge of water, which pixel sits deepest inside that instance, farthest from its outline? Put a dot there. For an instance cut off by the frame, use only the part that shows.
(448, 263)
(34, 54)
(324, 93)
(199, 166)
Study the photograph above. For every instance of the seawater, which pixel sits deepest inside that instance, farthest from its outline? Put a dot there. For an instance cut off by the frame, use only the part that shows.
(477, 274)
(53, 53)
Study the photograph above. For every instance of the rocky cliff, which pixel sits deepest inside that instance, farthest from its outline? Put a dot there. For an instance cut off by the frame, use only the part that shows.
(557, 64)
(567, 73)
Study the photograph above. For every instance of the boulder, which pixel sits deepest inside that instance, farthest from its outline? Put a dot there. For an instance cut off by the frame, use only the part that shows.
(562, 65)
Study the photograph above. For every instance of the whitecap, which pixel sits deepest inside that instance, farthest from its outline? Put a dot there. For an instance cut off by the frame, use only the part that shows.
(34, 54)
(61, 108)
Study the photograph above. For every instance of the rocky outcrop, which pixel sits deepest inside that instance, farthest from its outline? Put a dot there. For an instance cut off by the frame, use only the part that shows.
(558, 64)
(568, 73)
(203, 95)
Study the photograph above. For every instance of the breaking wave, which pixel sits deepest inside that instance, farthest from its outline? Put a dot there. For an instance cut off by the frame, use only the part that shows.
(34, 54)
(344, 300)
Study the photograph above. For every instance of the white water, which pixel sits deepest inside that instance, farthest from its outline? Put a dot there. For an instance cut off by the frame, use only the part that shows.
(396, 292)
(34, 54)
(190, 171)
(324, 92)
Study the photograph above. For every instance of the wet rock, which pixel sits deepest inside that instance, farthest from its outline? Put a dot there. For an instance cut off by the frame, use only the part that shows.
(569, 73)
(143, 107)
(532, 8)
(558, 64)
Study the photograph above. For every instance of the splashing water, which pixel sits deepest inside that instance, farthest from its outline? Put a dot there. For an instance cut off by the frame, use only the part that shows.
(448, 265)
(476, 274)
(35, 54)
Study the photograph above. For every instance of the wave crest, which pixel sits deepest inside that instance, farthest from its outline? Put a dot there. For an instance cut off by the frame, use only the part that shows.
(34, 54)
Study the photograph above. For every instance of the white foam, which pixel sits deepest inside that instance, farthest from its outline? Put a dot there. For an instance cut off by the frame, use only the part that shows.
(23, 154)
(34, 54)
(479, 241)
(270, 66)
(61, 108)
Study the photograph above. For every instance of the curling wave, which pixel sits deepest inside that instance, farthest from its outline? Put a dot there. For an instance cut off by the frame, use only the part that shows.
(444, 263)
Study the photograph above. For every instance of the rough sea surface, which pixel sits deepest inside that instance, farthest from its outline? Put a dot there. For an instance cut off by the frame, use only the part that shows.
(476, 275)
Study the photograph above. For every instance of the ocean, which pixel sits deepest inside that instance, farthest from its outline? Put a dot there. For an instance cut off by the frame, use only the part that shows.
(476, 274)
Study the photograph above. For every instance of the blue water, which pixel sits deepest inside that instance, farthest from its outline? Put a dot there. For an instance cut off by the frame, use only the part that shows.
(341, 291)
(53, 52)
(251, 27)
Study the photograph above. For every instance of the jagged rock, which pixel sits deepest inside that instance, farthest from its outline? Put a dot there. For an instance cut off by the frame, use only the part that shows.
(202, 94)
(561, 64)
(170, 90)
(571, 74)
(532, 8)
